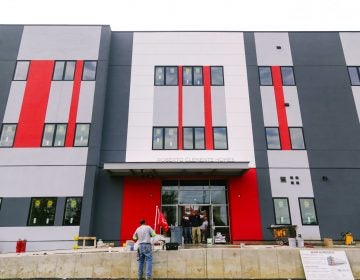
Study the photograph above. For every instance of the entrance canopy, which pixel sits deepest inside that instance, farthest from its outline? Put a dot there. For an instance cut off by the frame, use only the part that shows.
(176, 168)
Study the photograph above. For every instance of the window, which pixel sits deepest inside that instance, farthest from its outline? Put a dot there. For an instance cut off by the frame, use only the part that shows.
(354, 75)
(265, 76)
(194, 138)
(42, 211)
(64, 71)
(272, 138)
(0, 202)
(220, 138)
(217, 75)
(282, 211)
(72, 211)
(166, 75)
(287, 74)
(7, 135)
(165, 138)
(54, 135)
(297, 138)
(82, 135)
(89, 71)
(192, 76)
(308, 211)
(21, 70)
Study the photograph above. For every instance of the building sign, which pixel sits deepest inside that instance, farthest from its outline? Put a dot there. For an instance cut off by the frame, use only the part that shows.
(326, 265)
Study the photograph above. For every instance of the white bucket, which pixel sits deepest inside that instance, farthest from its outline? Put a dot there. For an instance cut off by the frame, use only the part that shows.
(292, 242)
(209, 241)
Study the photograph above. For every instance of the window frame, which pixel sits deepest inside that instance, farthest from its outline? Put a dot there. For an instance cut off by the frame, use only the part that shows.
(66, 199)
(227, 140)
(266, 139)
(193, 139)
(288, 208)
(272, 79)
(315, 211)
(164, 68)
(1, 131)
(28, 224)
(76, 125)
(83, 68)
(357, 72)
(293, 74)
(64, 71)
(27, 73)
(303, 138)
(193, 75)
(163, 138)
(223, 76)
(54, 135)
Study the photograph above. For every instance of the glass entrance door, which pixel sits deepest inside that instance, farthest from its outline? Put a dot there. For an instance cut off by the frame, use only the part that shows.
(209, 197)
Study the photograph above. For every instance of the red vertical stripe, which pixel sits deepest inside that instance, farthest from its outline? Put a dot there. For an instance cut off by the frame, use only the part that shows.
(33, 110)
(244, 207)
(180, 110)
(140, 197)
(280, 107)
(208, 110)
(70, 133)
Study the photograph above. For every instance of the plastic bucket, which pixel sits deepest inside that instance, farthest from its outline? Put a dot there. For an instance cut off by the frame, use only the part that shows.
(209, 241)
(292, 242)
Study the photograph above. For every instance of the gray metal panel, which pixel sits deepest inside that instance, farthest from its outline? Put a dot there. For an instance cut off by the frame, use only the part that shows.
(262, 171)
(351, 44)
(337, 201)
(59, 102)
(193, 106)
(218, 106)
(267, 49)
(60, 42)
(60, 208)
(108, 206)
(14, 102)
(14, 212)
(268, 102)
(10, 37)
(117, 99)
(293, 113)
(166, 106)
(330, 121)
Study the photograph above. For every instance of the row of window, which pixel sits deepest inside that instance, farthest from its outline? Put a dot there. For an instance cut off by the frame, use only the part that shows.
(53, 135)
(191, 76)
(43, 209)
(63, 70)
(287, 76)
(166, 138)
(307, 210)
(273, 138)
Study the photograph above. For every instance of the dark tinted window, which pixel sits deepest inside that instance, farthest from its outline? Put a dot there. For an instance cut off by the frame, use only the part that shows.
(354, 75)
(187, 76)
(217, 76)
(158, 138)
(21, 71)
(82, 135)
(282, 212)
(159, 75)
(171, 76)
(59, 70)
(89, 72)
(198, 76)
(265, 76)
(42, 211)
(7, 135)
(72, 211)
(287, 75)
(170, 138)
(194, 138)
(308, 211)
(220, 138)
(69, 71)
(272, 138)
(297, 138)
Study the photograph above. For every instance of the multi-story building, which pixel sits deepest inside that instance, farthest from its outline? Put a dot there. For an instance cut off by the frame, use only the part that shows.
(99, 127)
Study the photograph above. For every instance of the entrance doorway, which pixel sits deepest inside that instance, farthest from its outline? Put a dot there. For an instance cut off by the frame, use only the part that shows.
(209, 197)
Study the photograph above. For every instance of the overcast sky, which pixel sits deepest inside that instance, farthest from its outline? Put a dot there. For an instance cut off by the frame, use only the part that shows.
(188, 14)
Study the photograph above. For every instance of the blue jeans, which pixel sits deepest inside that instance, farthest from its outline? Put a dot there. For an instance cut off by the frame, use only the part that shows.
(145, 254)
(187, 235)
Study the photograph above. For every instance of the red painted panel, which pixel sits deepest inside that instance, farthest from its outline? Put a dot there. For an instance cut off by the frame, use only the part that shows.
(70, 132)
(180, 110)
(244, 207)
(208, 110)
(281, 110)
(140, 197)
(33, 111)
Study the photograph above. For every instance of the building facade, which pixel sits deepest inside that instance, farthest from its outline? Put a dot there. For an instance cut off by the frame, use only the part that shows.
(100, 127)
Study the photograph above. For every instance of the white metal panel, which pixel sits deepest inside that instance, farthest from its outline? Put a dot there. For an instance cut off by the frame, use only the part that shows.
(56, 238)
(59, 102)
(14, 103)
(43, 156)
(193, 106)
(60, 43)
(267, 52)
(218, 105)
(86, 102)
(293, 113)
(31, 181)
(288, 159)
(351, 44)
(356, 94)
(166, 104)
(268, 103)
